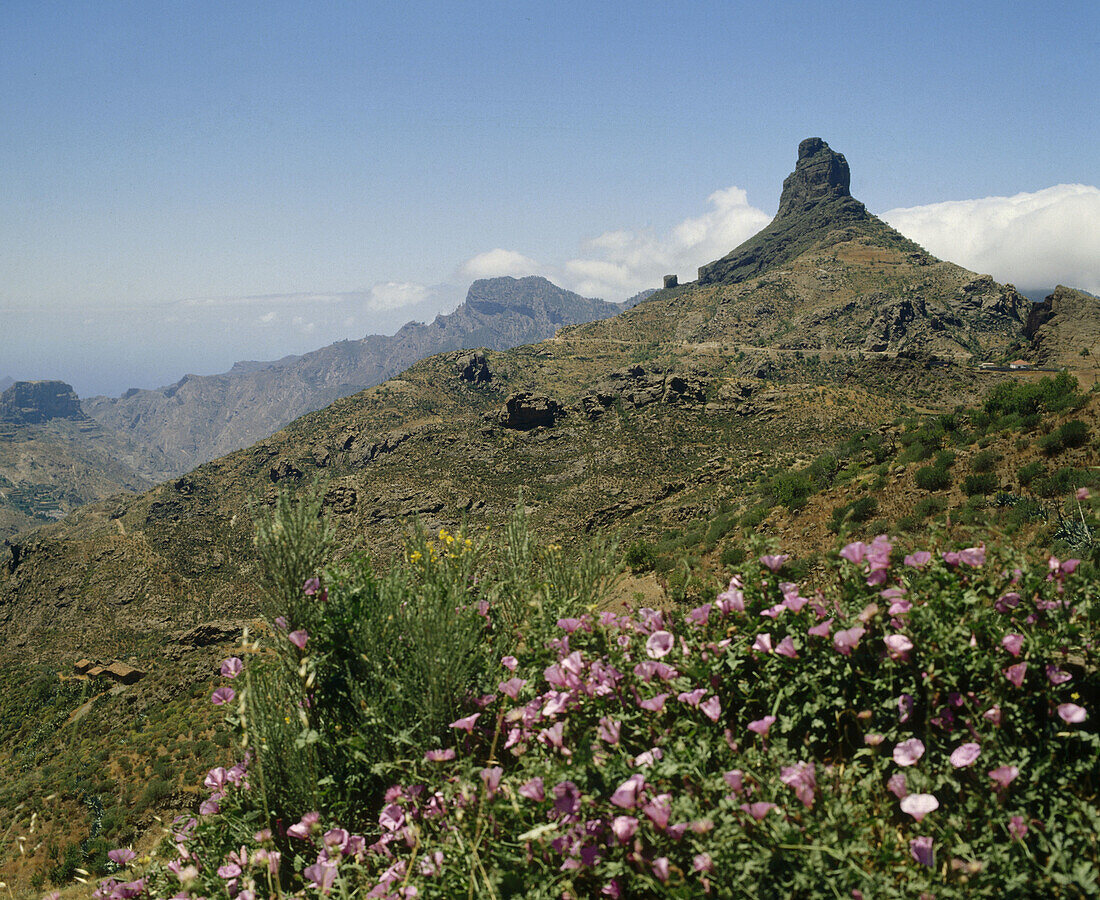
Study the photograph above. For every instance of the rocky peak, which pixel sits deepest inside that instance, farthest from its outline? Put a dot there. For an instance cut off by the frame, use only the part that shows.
(820, 174)
(32, 402)
(815, 204)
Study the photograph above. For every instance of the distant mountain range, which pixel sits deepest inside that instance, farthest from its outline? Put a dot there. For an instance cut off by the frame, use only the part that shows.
(202, 417)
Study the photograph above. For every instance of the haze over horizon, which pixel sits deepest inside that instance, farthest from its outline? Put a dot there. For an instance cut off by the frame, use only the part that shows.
(196, 186)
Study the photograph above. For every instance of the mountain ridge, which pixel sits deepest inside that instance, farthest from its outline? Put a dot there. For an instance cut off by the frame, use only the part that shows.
(202, 417)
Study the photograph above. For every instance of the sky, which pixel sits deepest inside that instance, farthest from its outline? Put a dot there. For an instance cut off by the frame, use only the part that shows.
(189, 184)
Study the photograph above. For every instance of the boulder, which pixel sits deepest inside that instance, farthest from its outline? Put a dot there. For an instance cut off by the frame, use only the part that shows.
(525, 410)
(474, 369)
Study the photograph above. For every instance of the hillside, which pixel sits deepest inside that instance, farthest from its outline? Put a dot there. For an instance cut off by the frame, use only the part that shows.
(685, 426)
(202, 417)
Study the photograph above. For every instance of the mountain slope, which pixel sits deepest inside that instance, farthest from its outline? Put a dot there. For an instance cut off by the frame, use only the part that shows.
(202, 417)
(53, 458)
(643, 418)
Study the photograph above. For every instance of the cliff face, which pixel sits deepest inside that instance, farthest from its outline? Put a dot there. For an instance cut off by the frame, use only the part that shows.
(1065, 328)
(203, 417)
(34, 402)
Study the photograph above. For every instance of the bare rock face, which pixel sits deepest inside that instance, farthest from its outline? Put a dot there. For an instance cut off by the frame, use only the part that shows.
(1065, 328)
(33, 402)
(474, 369)
(820, 174)
(816, 202)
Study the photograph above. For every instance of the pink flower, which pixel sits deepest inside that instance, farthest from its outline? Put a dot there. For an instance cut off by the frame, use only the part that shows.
(659, 809)
(802, 777)
(873, 740)
(712, 708)
(1013, 643)
(232, 667)
(897, 785)
(509, 662)
(692, 698)
(626, 794)
(121, 855)
(554, 737)
(1015, 674)
(856, 552)
(820, 630)
(298, 638)
(973, 556)
(222, 696)
(965, 755)
(649, 757)
(1083, 493)
(757, 810)
(624, 827)
(908, 752)
(281, 623)
(466, 724)
(491, 778)
(700, 614)
(763, 642)
(512, 687)
(653, 704)
(229, 871)
(567, 798)
(439, 755)
(702, 863)
(608, 730)
(898, 646)
(312, 586)
(660, 868)
(919, 559)
(993, 714)
(775, 563)
(905, 708)
(533, 790)
(1017, 827)
(216, 778)
(761, 726)
(304, 827)
(320, 875)
(570, 625)
(735, 780)
(659, 644)
(391, 818)
(786, 648)
(1057, 676)
(1072, 714)
(1003, 776)
(732, 599)
(919, 805)
(921, 850)
(844, 641)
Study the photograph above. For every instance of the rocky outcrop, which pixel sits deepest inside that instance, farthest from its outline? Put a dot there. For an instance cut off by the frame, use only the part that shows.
(34, 402)
(524, 411)
(1064, 329)
(815, 203)
(474, 369)
(636, 386)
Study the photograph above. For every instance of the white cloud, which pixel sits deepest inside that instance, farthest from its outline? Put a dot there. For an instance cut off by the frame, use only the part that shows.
(494, 263)
(1032, 240)
(618, 264)
(388, 295)
(268, 317)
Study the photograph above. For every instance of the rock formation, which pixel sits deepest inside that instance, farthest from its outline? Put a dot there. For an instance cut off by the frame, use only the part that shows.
(816, 200)
(34, 402)
(1065, 328)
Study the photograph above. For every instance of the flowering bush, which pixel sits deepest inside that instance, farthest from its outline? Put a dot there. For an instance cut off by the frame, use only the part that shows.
(917, 724)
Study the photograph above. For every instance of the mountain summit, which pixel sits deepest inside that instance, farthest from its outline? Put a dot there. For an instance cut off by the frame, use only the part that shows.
(816, 200)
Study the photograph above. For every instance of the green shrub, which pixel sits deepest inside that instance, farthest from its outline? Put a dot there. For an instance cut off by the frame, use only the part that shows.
(754, 516)
(932, 478)
(864, 509)
(1027, 473)
(984, 461)
(640, 557)
(790, 489)
(929, 506)
(985, 483)
(733, 555)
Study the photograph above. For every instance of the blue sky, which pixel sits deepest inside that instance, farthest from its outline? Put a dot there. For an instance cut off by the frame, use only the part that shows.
(187, 184)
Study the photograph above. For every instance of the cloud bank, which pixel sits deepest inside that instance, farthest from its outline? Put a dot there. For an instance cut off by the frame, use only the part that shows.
(1032, 240)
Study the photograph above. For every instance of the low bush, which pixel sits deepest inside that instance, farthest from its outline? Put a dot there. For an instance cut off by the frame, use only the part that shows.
(932, 478)
(911, 725)
(979, 484)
